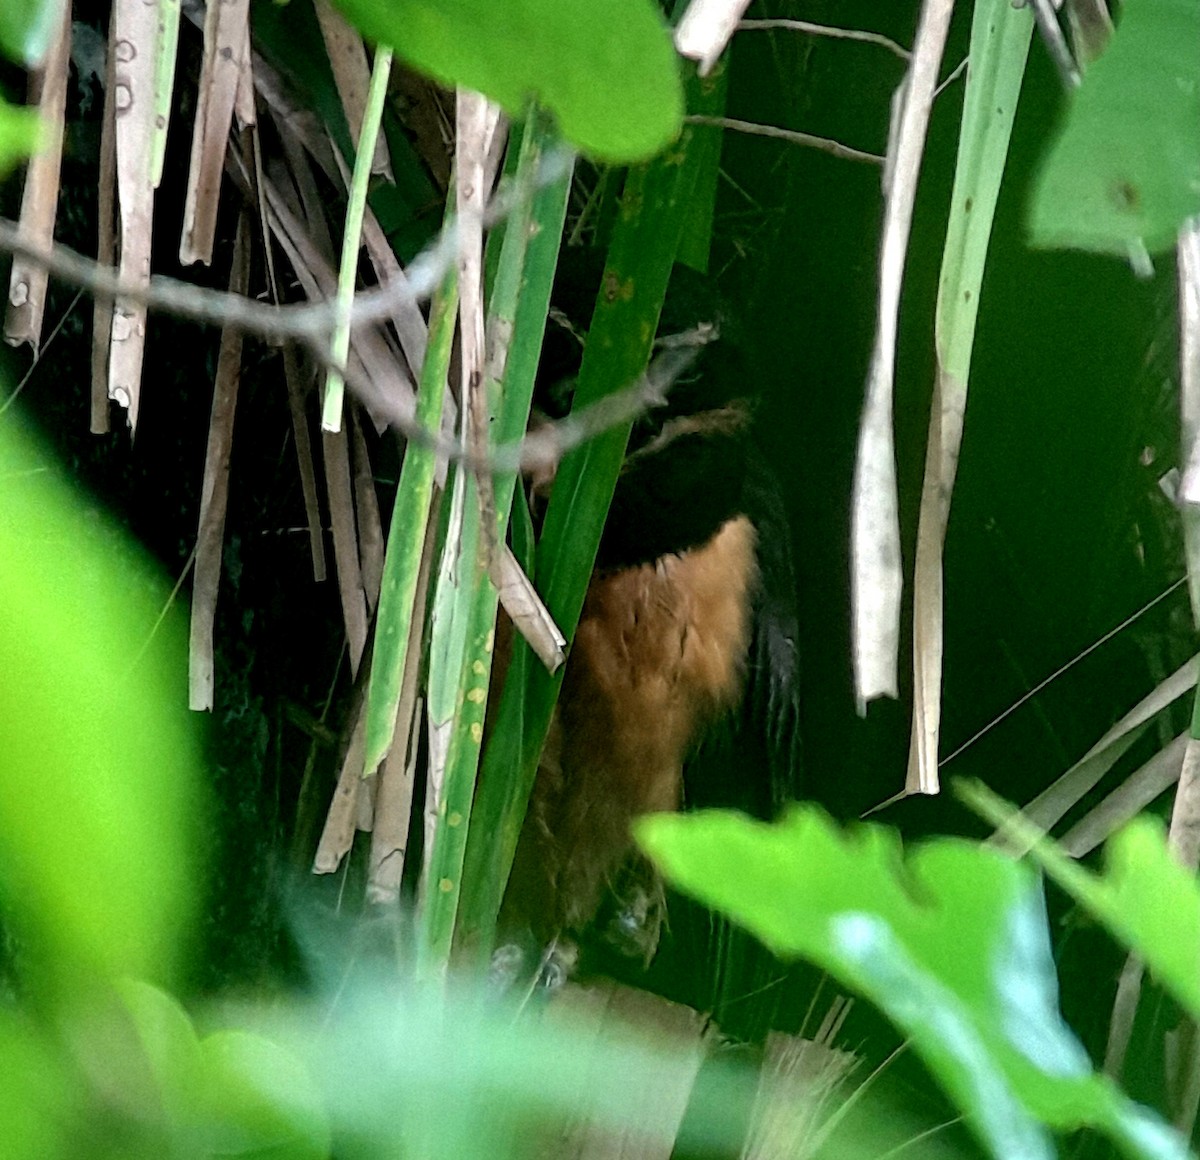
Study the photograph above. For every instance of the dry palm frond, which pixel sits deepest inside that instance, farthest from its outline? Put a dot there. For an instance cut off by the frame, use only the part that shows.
(799, 1081)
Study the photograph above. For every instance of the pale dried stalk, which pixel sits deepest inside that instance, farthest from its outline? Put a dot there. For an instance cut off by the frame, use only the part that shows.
(215, 493)
(297, 393)
(302, 134)
(657, 1097)
(877, 579)
(524, 607)
(373, 363)
(106, 243)
(225, 40)
(39, 199)
(705, 30)
(342, 820)
(1125, 802)
(476, 123)
(134, 52)
(397, 773)
(351, 75)
(345, 542)
(366, 505)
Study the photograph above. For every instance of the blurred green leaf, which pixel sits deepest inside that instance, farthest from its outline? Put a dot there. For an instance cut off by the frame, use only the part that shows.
(951, 943)
(1146, 899)
(259, 1100)
(234, 1093)
(34, 1093)
(20, 131)
(169, 1053)
(605, 68)
(98, 770)
(26, 27)
(1124, 171)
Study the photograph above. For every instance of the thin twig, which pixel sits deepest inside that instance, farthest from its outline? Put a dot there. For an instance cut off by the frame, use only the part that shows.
(826, 30)
(825, 144)
(1062, 669)
(304, 321)
(952, 76)
(311, 323)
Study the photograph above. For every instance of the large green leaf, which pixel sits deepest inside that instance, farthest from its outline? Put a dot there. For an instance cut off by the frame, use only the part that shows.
(1125, 169)
(35, 1090)
(605, 68)
(1146, 898)
(98, 767)
(951, 943)
(19, 133)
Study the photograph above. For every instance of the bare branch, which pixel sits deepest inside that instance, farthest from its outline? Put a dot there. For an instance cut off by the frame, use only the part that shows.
(827, 30)
(825, 144)
(308, 324)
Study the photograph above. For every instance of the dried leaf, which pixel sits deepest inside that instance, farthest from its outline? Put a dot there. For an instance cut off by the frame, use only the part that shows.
(1128, 800)
(106, 241)
(1053, 802)
(225, 40)
(877, 578)
(1000, 37)
(341, 821)
(366, 505)
(397, 773)
(215, 494)
(657, 1101)
(351, 75)
(706, 28)
(134, 51)
(345, 541)
(39, 199)
(525, 609)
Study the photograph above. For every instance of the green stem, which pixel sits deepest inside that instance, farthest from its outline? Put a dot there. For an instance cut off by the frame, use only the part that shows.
(465, 603)
(339, 347)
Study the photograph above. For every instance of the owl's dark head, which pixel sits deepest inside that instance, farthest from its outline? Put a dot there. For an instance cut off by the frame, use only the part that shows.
(685, 466)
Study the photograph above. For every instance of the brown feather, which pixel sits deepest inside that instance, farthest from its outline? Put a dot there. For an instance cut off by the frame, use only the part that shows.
(660, 651)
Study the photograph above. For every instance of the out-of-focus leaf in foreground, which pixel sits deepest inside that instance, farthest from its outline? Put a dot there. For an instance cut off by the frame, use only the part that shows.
(950, 942)
(98, 758)
(605, 68)
(231, 1093)
(33, 1089)
(20, 130)
(1124, 171)
(26, 27)
(1146, 898)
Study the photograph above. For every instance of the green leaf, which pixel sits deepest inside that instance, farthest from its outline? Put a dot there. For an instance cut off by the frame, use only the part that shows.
(1000, 36)
(696, 239)
(605, 68)
(464, 608)
(406, 539)
(26, 28)
(1124, 172)
(170, 1048)
(259, 1100)
(1146, 899)
(20, 133)
(951, 943)
(36, 1097)
(98, 770)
